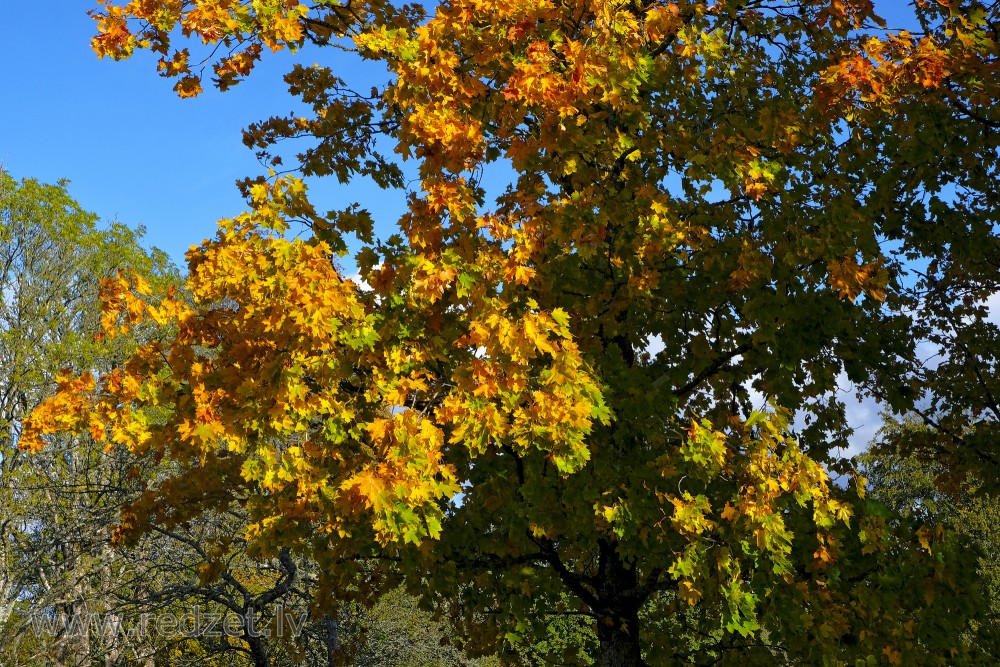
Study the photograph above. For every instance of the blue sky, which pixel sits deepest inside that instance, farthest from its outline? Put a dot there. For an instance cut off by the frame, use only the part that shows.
(134, 151)
(131, 149)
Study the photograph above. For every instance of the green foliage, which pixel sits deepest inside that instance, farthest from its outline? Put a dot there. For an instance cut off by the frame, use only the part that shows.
(921, 496)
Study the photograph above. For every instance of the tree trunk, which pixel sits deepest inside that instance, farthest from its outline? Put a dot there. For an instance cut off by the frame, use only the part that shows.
(618, 627)
(254, 639)
(331, 638)
(258, 651)
(619, 642)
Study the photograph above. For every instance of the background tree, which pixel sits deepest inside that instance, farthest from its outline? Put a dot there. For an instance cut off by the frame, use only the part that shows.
(59, 507)
(923, 498)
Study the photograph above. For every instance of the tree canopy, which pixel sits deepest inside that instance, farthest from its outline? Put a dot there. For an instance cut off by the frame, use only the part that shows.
(646, 242)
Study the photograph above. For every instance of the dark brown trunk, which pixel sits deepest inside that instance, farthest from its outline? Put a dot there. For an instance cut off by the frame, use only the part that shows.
(258, 651)
(619, 641)
(618, 628)
(253, 637)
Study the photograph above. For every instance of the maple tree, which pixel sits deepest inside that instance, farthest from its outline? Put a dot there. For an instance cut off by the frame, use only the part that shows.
(539, 401)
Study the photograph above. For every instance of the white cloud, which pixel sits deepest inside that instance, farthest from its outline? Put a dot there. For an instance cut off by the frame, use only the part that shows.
(993, 308)
(864, 417)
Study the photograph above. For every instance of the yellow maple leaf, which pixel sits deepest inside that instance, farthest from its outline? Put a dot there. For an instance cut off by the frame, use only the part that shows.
(688, 592)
